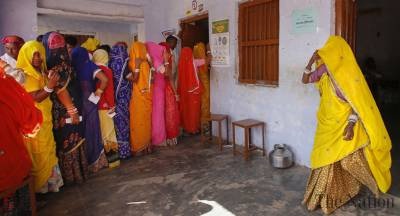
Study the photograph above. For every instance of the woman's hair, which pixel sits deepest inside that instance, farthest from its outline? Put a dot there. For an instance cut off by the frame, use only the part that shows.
(71, 41)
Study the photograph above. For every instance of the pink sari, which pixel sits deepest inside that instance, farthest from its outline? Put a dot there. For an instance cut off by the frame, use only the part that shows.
(158, 133)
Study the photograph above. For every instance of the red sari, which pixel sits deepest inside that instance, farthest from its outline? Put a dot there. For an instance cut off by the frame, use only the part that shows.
(172, 119)
(19, 116)
(189, 90)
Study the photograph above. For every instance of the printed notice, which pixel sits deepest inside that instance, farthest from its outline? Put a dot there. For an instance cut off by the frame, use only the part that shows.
(304, 21)
(220, 43)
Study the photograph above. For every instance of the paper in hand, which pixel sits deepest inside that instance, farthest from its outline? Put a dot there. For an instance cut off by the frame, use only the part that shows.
(69, 120)
(93, 98)
(111, 113)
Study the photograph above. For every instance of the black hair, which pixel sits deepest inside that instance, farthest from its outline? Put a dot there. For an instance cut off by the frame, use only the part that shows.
(71, 40)
(171, 38)
(105, 47)
(39, 38)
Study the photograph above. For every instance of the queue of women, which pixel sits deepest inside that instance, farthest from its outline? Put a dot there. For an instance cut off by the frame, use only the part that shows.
(96, 105)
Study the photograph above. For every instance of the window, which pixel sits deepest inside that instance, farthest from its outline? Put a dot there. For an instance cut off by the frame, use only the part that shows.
(259, 42)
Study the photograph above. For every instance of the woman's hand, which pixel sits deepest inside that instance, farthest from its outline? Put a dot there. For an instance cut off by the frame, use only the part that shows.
(313, 58)
(53, 79)
(138, 61)
(348, 133)
(75, 118)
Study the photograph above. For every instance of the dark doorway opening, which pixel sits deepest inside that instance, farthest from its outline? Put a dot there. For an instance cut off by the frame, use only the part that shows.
(370, 27)
(194, 30)
(377, 52)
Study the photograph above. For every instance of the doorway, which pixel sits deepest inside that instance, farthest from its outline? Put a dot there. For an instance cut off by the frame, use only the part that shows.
(371, 29)
(194, 30)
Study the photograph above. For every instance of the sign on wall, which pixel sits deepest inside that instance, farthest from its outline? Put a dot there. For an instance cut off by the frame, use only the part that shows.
(219, 43)
(193, 7)
(304, 21)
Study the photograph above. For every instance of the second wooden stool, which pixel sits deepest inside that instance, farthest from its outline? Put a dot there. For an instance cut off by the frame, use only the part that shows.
(247, 125)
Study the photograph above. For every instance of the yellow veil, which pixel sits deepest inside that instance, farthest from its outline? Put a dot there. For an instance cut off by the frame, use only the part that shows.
(100, 57)
(346, 74)
(25, 59)
(91, 44)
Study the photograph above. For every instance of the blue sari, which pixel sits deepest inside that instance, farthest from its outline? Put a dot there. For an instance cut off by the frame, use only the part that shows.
(123, 88)
(94, 143)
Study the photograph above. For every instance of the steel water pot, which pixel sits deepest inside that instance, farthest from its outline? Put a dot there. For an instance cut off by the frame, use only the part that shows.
(281, 157)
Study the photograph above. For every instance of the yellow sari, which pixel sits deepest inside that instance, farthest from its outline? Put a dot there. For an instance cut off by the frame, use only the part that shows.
(199, 52)
(42, 148)
(339, 167)
(141, 101)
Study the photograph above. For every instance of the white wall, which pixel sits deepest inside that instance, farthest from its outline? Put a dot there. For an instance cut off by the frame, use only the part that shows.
(18, 17)
(107, 33)
(290, 109)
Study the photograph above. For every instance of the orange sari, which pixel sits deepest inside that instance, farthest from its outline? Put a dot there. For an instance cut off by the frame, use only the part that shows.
(189, 90)
(141, 101)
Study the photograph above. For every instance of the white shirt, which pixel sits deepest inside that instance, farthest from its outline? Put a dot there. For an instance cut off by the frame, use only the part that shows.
(10, 60)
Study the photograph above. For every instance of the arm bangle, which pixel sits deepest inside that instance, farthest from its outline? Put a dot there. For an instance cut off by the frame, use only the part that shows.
(48, 90)
(307, 71)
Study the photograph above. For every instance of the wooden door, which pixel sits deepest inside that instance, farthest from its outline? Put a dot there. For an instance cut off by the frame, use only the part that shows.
(346, 20)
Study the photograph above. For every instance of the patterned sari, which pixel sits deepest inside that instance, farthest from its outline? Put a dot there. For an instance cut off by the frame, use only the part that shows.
(85, 70)
(141, 102)
(122, 87)
(69, 137)
(42, 148)
(340, 167)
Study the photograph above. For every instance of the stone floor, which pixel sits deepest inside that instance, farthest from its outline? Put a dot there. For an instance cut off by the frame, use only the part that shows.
(172, 181)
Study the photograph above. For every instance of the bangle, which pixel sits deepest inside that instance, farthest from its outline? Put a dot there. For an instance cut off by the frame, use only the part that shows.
(166, 63)
(152, 69)
(48, 90)
(307, 71)
(137, 70)
(353, 118)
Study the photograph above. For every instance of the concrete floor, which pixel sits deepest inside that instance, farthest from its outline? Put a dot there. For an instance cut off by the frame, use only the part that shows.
(171, 181)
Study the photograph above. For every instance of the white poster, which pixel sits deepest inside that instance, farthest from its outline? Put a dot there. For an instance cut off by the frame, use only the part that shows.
(220, 43)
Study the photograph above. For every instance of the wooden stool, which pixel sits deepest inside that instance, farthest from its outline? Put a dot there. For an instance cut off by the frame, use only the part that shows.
(28, 181)
(218, 118)
(247, 125)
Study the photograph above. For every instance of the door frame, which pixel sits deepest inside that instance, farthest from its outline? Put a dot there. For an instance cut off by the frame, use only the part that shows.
(346, 20)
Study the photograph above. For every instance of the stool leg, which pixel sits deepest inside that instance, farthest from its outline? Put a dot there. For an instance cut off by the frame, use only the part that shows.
(202, 133)
(246, 143)
(233, 140)
(263, 139)
(227, 131)
(220, 135)
(32, 197)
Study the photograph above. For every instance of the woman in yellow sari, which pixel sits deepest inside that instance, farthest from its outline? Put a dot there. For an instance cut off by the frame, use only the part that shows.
(352, 146)
(40, 83)
(141, 101)
(199, 52)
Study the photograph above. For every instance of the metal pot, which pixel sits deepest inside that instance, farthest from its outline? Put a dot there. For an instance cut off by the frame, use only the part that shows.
(281, 156)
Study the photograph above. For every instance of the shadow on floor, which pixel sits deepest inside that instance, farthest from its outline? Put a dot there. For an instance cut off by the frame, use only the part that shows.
(172, 180)
(391, 116)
